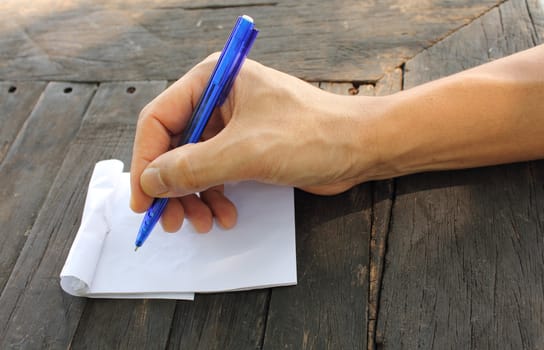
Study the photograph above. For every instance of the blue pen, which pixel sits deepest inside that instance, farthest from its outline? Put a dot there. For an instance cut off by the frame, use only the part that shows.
(232, 57)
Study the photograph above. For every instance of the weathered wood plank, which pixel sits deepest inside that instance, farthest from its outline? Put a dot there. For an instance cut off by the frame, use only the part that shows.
(35, 311)
(17, 99)
(390, 83)
(124, 324)
(220, 321)
(33, 161)
(517, 27)
(137, 40)
(500, 32)
(383, 194)
(328, 307)
(464, 263)
(536, 13)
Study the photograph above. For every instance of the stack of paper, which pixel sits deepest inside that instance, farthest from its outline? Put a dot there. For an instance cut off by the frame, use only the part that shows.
(258, 253)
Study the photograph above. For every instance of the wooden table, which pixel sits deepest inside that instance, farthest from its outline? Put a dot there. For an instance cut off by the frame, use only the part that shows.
(438, 260)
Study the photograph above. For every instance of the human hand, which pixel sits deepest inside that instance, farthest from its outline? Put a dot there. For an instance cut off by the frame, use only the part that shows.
(273, 128)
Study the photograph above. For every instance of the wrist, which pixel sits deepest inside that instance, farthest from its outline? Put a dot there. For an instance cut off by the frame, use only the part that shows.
(378, 138)
(355, 139)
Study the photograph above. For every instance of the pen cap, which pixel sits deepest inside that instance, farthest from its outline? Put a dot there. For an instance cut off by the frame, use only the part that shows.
(243, 36)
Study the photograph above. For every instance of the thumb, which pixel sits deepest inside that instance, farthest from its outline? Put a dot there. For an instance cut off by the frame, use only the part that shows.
(193, 168)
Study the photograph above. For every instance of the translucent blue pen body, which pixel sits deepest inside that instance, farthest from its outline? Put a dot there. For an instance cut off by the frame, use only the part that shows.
(232, 57)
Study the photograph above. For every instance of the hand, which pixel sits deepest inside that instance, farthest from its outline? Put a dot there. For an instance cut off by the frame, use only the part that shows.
(273, 128)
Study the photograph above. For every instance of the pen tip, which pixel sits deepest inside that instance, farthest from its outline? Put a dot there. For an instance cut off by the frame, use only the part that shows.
(136, 248)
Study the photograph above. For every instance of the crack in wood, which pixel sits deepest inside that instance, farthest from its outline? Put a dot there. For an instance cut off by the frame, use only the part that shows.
(453, 31)
(265, 318)
(383, 201)
(534, 33)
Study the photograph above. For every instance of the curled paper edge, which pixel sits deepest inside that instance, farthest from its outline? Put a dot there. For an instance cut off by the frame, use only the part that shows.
(73, 286)
(79, 268)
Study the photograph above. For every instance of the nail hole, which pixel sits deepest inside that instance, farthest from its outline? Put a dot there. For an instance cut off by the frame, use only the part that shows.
(67, 90)
(353, 90)
(12, 89)
(131, 89)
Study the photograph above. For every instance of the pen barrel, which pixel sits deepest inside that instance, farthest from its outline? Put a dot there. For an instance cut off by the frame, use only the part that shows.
(151, 217)
(222, 78)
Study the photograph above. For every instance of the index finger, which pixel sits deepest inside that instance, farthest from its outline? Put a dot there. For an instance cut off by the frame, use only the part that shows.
(163, 117)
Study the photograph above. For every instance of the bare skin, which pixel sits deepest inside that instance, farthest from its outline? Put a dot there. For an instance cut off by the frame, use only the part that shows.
(277, 129)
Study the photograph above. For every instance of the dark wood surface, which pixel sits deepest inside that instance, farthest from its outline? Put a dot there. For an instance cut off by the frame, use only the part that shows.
(465, 259)
(436, 260)
(104, 40)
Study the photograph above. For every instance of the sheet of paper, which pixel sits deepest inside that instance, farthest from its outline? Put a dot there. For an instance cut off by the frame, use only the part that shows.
(259, 252)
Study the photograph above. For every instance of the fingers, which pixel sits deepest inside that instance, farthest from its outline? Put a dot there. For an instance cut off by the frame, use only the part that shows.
(197, 167)
(221, 207)
(152, 139)
(200, 211)
(172, 216)
(197, 212)
(163, 117)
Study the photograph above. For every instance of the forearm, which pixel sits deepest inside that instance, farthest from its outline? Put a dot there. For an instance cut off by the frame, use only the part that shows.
(491, 114)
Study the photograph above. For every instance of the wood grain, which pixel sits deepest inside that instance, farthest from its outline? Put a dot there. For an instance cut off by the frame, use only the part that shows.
(35, 311)
(124, 324)
(140, 40)
(328, 307)
(464, 265)
(464, 261)
(502, 31)
(536, 15)
(17, 99)
(220, 321)
(33, 161)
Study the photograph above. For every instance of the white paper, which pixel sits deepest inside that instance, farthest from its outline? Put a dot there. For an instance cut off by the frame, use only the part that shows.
(259, 252)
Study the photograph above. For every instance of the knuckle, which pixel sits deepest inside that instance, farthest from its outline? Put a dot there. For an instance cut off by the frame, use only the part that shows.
(256, 160)
(213, 57)
(187, 178)
(144, 113)
(203, 68)
(209, 61)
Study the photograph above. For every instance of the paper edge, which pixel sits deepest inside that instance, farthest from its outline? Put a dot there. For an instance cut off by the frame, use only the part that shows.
(71, 280)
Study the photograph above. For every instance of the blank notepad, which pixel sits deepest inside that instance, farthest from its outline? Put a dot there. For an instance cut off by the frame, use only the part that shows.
(258, 253)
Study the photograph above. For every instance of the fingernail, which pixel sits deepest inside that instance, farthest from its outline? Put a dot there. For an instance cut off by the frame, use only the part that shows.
(152, 182)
